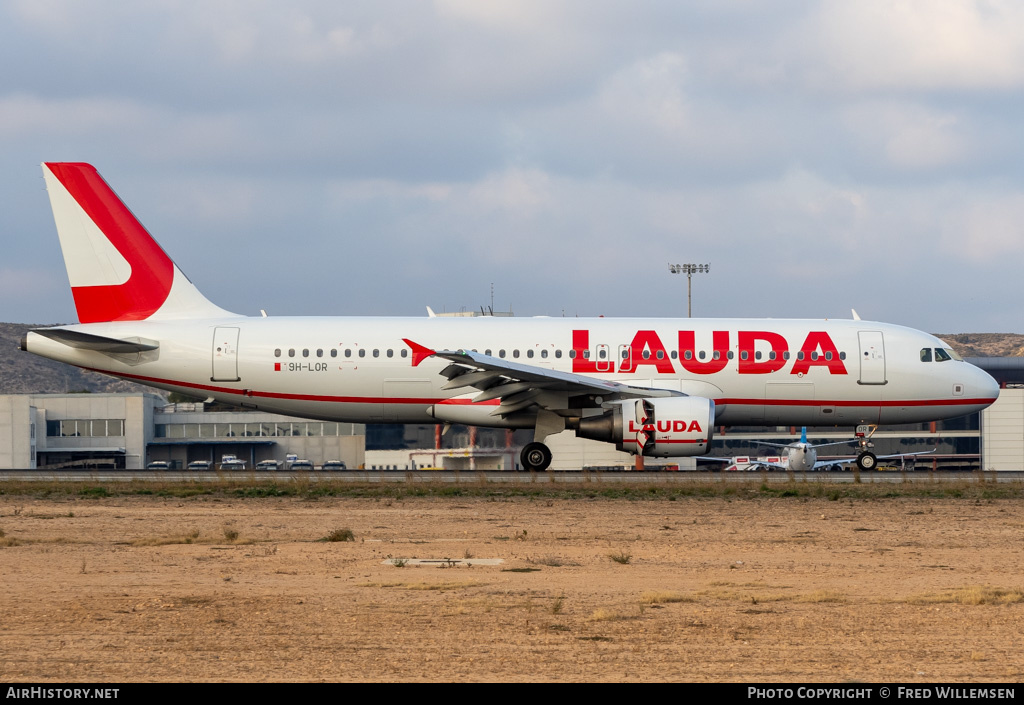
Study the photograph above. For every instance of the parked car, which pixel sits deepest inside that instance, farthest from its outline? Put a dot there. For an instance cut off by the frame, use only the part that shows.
(302, 466)
(333, 465)
(269, 465)
(199, 465)
(233, 465)
(158, 465)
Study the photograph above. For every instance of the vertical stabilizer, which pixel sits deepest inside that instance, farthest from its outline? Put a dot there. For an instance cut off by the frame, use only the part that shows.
(117, 270)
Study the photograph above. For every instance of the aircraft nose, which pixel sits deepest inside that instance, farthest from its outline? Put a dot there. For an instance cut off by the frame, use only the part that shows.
(983, 386)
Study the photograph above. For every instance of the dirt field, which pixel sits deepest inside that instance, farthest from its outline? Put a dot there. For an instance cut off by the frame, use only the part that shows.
(161, 589)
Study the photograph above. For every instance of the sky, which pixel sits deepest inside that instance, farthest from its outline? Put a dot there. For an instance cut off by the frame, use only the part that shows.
(375, 158)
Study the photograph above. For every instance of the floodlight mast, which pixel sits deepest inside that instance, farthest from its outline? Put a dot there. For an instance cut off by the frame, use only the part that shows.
(689, 270)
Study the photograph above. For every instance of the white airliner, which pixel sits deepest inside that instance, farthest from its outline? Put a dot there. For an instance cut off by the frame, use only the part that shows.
(656, 387)
(802, 456)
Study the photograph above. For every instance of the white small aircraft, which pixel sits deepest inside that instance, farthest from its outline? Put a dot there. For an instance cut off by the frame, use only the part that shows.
(654, 387)
(802, 456)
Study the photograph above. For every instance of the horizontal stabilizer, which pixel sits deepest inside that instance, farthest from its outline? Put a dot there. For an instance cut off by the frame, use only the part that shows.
(99, 343)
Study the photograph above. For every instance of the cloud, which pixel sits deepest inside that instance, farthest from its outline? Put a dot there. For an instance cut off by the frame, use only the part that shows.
(916, 45)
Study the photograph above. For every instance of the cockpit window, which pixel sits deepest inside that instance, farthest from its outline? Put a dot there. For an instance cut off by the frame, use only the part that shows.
(954, 354)
(941, 355)
(926, 354)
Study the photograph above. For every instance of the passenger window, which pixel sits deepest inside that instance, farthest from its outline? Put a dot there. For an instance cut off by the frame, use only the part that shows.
(814, 355)
(291, 352)
(348, 352)
(674, 354)
(717, 355)
(487, 352)
(572, 354)
(842, 356)
(391, 353)
(730, 354)
(743, 354)
(785, 354)
(586, 354)
(405, 353)
(334, 352)
(688, 354)
(757, 355)
(543, 353)
(602, 354)
(319, 352)
(515, 353)
(661, 354)
(828, 355)
(771, 355)
(646, 354)
(376, 352)
(529, 353)
(800, 355)
(362, 352)
(501, 353)
(558, 353)
(305, 352)
(277, 352)
(625, 353)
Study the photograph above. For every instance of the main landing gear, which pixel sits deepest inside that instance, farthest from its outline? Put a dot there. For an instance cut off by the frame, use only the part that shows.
(536, 457)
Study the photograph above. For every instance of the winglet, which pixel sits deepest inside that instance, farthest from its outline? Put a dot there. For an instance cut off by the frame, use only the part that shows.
(419, 353)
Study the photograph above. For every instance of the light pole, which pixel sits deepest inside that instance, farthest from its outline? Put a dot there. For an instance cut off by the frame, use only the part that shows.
(689, 270)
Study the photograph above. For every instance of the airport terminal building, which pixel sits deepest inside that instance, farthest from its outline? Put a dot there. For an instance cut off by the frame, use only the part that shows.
(129, 431)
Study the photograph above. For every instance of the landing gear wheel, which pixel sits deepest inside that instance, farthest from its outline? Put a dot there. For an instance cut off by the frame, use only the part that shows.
(535, 456)
(867, 461)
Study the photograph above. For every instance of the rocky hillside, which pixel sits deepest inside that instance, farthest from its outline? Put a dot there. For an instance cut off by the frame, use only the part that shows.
(985, 344)
(22, 373)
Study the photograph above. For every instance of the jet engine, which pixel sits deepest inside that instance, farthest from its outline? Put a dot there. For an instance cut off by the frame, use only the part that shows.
(663, 427)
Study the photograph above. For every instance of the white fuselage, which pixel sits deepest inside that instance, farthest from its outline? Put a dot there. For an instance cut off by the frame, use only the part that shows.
(768, 372)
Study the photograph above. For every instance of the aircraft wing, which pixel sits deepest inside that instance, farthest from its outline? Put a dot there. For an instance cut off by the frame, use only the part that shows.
(520, 386)
(848, 461)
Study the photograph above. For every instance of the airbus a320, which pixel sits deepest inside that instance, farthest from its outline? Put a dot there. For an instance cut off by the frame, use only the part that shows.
(650, 386)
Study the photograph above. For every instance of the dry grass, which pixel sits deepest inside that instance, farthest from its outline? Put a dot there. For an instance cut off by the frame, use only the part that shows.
(621, 557)
(664, 597)
(971, 595)
(190, 538)
(426, 586)
(339, 535)
(822, 596)
(603, 615)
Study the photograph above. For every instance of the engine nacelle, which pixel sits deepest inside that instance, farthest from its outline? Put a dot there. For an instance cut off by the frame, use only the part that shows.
(669, 427)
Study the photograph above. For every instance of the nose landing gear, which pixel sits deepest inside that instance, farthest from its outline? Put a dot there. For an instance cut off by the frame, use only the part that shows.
(866, 460)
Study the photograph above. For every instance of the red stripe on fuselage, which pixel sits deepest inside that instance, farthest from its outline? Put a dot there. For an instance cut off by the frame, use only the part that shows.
(495, 402)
